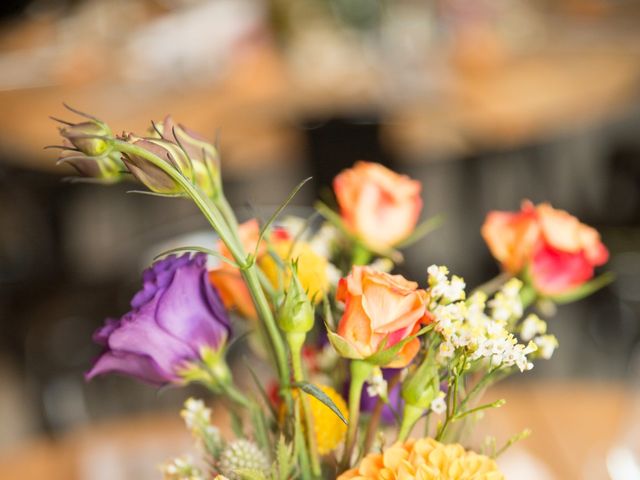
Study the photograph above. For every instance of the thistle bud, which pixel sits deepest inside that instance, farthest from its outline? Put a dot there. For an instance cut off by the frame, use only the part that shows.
(422, 386)
(203, 155)
(296, 314)
(153, 177)
(240, 456)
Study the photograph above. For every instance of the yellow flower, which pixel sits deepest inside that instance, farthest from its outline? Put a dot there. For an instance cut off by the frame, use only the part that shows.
(312, 268)
(330, 430)
(425, 459)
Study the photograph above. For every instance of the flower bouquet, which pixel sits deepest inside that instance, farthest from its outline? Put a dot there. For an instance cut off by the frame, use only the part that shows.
(347, 346)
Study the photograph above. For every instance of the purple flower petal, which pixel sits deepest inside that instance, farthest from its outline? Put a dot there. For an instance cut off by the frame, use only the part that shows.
(187, 314)
(141, 367)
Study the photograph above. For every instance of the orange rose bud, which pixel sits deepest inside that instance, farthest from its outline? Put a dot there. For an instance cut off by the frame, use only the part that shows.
(380, 311)
(559, 251)
(377, 205)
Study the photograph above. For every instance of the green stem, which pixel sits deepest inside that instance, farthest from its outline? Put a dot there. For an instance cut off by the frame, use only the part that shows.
(230, 239)
(492, 286)
(295, 341)
(410, 417)
(360, 371)
(360, 254)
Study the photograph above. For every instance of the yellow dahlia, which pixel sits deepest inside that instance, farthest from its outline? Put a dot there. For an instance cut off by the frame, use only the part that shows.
(424, 459)
(330, 430)
(312, 268)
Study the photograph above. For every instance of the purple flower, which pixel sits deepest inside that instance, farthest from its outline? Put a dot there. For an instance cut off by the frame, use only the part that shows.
(174, 317)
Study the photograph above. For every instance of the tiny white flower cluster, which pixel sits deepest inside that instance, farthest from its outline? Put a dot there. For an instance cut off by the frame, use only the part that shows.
(197, 417)
(547, 344)
(195, 414)
(438, 405)
(181, 468)
(441, 288)
(377, 385)
(466, 324)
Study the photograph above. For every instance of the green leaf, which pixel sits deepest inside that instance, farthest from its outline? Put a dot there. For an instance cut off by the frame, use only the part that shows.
(236, 425)
(385, 356)
(275, 215)
(314, 391)
(585, 289)
(336, 220)
(208, 251)
(260, 429)
(250, 474)
(284, 459)
(156, 194)
(261, 389)
(422, 230)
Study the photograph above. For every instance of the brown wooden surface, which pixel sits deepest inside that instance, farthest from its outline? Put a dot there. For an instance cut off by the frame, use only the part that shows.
(257, 103)
(573, 423)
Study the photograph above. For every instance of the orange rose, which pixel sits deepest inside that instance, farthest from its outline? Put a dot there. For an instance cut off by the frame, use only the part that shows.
(379, 206)
(381, 306)
(559, 251)
(228, 280)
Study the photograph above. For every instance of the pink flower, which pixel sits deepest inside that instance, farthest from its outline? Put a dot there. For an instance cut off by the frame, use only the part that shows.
(379, 206)
(559, 251)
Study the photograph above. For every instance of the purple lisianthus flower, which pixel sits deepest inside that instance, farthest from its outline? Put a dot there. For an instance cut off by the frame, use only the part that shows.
(174, 317)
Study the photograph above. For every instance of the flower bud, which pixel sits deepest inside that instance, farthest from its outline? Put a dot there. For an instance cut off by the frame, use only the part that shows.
(107, 168)
(153, 177)
(87, 148)
(203, 155)
(86, 137)
(422, 386)
(296, 314)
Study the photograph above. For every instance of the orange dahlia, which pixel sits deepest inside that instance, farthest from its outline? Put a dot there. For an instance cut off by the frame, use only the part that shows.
(424, 459)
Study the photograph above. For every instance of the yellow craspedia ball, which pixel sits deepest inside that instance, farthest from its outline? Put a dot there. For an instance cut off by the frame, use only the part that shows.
(312, 268)
(425, 459)
(330, 430)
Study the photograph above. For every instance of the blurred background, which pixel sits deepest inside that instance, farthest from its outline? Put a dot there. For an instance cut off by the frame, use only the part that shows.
(486, 102)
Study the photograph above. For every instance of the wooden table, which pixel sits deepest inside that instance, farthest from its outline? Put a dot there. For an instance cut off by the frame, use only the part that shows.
(556, 87)
(573, 422)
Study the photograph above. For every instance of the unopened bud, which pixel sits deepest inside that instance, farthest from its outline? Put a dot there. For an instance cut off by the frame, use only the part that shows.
(91, 138)
(296, 315)
(422, 386)
(203, 155)
(152, 176)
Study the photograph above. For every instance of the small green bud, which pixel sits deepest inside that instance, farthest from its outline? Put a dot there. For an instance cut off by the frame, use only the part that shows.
(422, 386)
(296, 314)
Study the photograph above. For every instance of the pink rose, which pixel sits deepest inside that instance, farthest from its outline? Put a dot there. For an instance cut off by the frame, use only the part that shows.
(559, 251)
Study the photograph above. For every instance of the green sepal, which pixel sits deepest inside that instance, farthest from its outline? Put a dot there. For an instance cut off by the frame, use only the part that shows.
(250, 474)
(422, 230)
(342, 346)
(385, 356)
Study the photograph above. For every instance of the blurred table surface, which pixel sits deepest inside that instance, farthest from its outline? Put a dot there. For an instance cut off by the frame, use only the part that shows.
(574, 423)
(567, 83)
